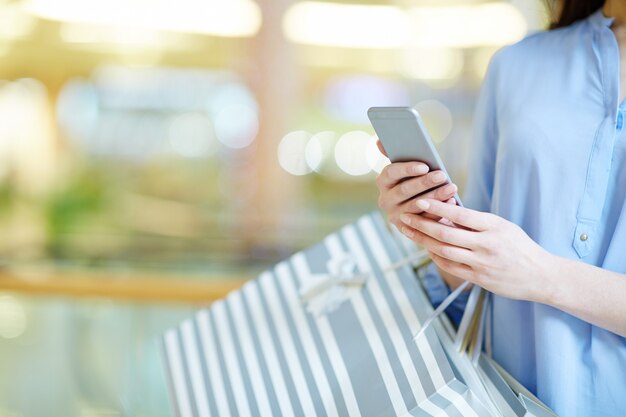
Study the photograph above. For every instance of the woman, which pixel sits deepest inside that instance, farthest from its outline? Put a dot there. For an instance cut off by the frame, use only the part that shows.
(546, 225)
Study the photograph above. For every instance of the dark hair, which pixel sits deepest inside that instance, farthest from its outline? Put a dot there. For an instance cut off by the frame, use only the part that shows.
(566, 12)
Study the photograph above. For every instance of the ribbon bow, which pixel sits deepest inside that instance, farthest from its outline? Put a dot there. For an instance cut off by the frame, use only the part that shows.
(326, 293)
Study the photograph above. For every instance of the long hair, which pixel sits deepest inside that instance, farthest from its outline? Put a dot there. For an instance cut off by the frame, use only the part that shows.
(566, 12)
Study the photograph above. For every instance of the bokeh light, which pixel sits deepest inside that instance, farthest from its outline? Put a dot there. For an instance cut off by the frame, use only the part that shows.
(139, 113)
(351, 153)
(292, 151)
(375, 159)
(191, 135)
(319, 151)
(235, 111)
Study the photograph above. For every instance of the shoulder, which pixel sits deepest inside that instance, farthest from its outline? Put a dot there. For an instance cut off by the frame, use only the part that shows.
(539, 49)
(539, 61)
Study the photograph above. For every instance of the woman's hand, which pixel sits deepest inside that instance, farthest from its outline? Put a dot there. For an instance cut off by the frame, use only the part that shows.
(399, 184)
(486, 250)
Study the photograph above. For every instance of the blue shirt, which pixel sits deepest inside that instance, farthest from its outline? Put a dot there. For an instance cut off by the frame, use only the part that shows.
(550, 155)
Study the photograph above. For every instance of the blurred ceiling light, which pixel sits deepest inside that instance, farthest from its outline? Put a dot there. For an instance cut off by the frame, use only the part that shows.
(291, 152)
(467, 26)
(15, 23)
(230, 18)
(377, 26)
(351, 153)
(346, 25)
(114, 35)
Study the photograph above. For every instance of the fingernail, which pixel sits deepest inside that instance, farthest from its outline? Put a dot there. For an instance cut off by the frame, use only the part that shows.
(420, 169)
(423, 204)
(407, 232)
(450, 188)
(405, 218)
(438, 177)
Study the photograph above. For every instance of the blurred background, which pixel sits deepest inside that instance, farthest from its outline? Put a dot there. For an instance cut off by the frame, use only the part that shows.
(155, 154)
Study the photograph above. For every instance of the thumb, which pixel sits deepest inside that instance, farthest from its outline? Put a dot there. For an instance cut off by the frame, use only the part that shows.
(380, 147)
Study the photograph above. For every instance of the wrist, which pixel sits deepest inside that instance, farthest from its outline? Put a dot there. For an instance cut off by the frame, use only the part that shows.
(550, 287)
(450, 280)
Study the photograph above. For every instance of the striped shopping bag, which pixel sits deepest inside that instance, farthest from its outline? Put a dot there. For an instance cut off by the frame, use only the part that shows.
(328, 332)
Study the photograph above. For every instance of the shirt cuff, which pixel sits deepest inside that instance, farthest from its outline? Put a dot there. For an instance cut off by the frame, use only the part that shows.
(438, 290)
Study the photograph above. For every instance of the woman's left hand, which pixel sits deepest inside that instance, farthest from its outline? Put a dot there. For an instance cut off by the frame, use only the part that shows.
(484, 249)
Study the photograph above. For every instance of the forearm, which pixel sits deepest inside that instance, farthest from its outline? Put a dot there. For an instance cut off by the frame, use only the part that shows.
(590, 293)
(500, 257)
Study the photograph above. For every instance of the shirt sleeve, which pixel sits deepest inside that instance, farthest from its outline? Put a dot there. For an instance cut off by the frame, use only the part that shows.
(482, 162)
(479, 186)
(438, 290)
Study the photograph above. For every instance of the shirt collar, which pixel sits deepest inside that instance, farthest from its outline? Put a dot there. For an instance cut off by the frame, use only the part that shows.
(598, 20)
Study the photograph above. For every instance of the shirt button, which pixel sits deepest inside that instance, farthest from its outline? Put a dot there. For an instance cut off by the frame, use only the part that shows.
(583, 237)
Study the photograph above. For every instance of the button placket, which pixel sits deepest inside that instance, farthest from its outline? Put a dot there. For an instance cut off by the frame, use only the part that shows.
(599, 167)
(584, 237)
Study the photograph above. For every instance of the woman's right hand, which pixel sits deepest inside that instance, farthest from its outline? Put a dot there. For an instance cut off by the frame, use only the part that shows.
(400, 183)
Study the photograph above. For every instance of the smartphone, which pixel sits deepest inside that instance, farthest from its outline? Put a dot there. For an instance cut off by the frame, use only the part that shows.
(405, 138)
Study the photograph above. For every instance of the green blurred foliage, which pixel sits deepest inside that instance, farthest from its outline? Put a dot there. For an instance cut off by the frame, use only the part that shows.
(84, 195)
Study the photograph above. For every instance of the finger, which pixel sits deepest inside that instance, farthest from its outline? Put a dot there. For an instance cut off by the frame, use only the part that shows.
(453, 253)
(454, 268)
(381, 148)
(460, 215)
(447, 222)
(443, 220)
(430, 216)
(393, 173)
(440, 219)
(441, 232)
(413, 187)
(442, 193)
